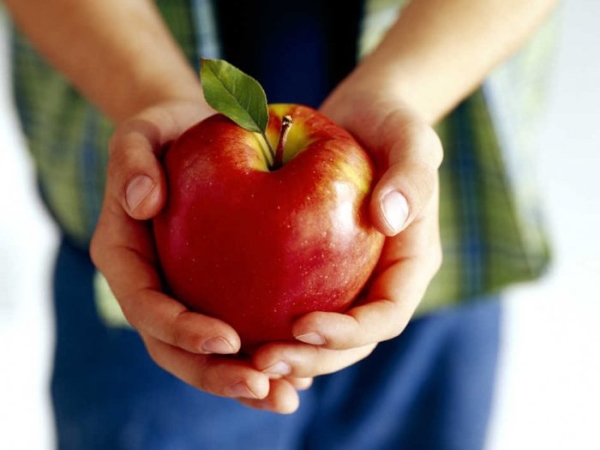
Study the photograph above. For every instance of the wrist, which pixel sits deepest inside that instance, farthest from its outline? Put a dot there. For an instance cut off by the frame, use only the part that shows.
(161, 122)
(156, 87)
(363, 103)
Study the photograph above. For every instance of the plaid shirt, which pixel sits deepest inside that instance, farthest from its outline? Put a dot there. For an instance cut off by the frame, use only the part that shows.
(491, 223)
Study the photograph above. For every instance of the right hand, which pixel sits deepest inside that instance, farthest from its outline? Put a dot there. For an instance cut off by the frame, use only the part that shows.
(198, 349)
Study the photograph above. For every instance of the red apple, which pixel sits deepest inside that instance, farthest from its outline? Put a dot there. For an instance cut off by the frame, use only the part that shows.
(258, 245)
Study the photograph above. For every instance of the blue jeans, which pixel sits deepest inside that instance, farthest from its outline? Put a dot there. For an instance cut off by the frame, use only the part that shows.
(430, 388)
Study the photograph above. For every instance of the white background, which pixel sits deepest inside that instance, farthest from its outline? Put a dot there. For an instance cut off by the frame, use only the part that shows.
(548, 394)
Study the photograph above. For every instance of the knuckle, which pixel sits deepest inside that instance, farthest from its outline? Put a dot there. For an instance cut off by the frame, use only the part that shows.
(419, 143)
(135, 320)
(184, 336)
(432, 146)
(398, 321)
(177, 337)
(437, 259)
(200, 379)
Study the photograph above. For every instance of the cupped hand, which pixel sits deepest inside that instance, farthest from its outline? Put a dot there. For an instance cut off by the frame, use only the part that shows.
(198, 349)
(404, 207)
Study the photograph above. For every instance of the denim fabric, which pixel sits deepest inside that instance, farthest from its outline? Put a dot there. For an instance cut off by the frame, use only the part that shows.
(430, 388)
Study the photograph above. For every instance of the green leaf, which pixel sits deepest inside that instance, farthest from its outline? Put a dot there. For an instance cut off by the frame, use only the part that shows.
(234, 94)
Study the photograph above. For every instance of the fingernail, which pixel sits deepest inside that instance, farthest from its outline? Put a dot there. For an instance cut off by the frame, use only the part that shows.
(280, 368)
(137, 190)
(217, 345)
(311, 338)
(240, 390)
(395, 210)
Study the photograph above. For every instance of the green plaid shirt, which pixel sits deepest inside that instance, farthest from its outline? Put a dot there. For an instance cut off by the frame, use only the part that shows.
(491, 222)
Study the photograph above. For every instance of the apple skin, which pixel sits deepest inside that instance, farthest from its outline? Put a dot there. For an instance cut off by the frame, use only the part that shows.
(259, 248)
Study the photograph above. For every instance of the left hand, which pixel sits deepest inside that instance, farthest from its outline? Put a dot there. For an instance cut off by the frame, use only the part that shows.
(198, 349)
(404, 207)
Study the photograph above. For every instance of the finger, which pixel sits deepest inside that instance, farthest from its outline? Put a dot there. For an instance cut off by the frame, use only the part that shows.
(283, 398)
(302, 361)
(137, 179)
(135, 176)
(300, 384)
(218, 375)
(122, 249)
(376, 321)
(169, 321)
(138, 287)
(410, 154)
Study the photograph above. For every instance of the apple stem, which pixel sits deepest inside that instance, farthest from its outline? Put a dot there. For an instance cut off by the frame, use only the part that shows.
(286, 124)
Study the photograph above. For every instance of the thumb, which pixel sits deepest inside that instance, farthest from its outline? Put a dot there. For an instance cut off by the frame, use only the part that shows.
(135, 177)
(409, 158)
